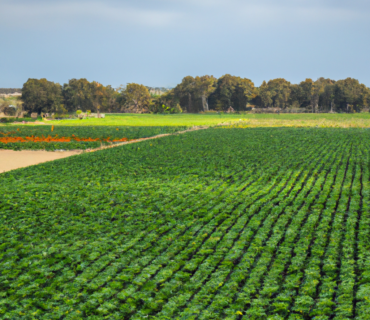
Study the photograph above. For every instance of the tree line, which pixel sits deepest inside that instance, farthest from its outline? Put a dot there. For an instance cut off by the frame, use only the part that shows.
(198, 94)
(10, 90)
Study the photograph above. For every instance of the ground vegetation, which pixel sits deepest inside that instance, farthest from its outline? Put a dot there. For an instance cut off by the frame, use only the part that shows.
(71, 138)
(224, 223)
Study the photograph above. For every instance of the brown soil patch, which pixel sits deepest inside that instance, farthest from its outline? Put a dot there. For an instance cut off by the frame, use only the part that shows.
(10, 159)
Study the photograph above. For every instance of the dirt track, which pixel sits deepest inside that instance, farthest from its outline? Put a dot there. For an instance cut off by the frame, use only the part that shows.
(10, 160)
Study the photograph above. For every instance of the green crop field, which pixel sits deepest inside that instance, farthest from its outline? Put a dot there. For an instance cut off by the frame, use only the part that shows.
(359, 120)
(238, 223)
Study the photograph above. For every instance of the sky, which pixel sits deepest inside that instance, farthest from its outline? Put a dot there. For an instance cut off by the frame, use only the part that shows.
(158, 42)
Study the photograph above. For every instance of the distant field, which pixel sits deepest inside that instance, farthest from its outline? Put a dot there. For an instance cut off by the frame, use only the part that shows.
(253, 120)
(48, 137)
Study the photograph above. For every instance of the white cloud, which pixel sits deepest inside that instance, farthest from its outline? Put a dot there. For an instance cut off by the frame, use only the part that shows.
(49, 14)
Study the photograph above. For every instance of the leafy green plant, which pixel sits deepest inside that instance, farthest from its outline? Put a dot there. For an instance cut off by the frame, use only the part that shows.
(224, 223)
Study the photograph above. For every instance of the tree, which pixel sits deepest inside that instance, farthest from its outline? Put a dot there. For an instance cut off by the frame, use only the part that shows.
(165, 103)
(316, 93)
(275, 93)
(77, 94)
(42, 96)
(136, 97)
(84, 95)
(265, 95)
(327, 94)
(350, 95)
(203, 87)
(185, 92)
(296, 97)
(232, 91)
(308, 89)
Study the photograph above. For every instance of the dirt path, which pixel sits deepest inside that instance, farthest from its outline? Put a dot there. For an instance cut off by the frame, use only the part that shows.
(143, 139)
(10, 159)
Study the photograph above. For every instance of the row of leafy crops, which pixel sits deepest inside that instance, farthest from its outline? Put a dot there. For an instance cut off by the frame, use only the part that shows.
(266, 223)
(67, 137)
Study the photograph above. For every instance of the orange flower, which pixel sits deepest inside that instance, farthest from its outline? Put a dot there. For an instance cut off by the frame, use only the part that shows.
(55, 139)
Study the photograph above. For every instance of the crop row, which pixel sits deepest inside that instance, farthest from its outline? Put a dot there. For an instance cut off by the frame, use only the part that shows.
(213, 224)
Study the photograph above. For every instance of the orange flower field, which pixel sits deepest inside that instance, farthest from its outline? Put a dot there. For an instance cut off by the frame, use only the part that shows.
(71, 138)
(56, 139)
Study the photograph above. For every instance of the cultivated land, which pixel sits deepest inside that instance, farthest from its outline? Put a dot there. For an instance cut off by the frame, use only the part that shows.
(70, 138)
(360, 120)
(238, 223)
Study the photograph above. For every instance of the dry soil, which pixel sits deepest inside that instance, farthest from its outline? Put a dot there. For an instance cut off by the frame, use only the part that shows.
(10, 160)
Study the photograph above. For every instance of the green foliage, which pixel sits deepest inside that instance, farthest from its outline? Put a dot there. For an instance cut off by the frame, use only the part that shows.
(42, 96)
(211, 118)
(232, 92)
(275, 93)
(193, 93)
(167, 103)
(322, 95)
(102, 133)
(266, 223)
(12, 120)
(85, 95)
(136, 98)
(197, 94)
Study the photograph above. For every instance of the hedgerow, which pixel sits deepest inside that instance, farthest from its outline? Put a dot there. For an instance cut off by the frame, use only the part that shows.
(268, 223)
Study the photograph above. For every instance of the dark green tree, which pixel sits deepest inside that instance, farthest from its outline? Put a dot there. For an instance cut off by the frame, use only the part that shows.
(275, 93)
(350, 95)
(233, 92)
(41, 95)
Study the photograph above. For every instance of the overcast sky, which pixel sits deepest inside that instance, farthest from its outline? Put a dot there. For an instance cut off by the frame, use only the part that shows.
(158, 42)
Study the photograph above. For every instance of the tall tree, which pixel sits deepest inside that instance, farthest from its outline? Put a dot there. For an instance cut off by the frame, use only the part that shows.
(203, 87)
(327, 94)
(85, 95)
(136, 97)
(41, 95)
(308, 89)
(296, 97)
(78, 95)
(233, 91)
(275, 93)
(350, 95)
(185, 92)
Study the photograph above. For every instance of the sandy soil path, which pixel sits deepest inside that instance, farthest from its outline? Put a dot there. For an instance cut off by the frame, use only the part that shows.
(10, 160)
